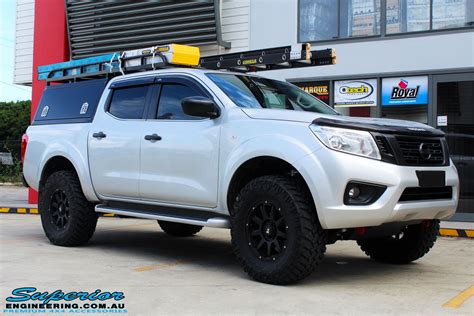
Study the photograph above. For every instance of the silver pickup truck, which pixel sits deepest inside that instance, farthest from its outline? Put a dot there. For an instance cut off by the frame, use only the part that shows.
(195, 147)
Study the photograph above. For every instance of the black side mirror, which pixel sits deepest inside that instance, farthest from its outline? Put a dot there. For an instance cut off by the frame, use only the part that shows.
(201, 107)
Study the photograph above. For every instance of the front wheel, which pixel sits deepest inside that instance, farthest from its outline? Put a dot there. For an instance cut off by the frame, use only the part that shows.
(412, 243)
(275, 231)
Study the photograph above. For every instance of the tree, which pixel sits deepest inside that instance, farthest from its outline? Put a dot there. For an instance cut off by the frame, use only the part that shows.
(14, 120)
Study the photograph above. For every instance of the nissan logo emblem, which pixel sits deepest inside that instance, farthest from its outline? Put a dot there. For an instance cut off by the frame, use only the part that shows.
(424, 151)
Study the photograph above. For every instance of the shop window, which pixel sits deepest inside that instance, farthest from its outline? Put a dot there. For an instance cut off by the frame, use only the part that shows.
(407, 16)
(418, 113)
(318, 20)
(321, 20)
(332, 19)
(359, 18)
(405, 98)
(452, 13)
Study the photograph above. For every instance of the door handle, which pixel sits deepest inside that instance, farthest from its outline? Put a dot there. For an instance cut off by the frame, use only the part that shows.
(153, 137)
(99, 135)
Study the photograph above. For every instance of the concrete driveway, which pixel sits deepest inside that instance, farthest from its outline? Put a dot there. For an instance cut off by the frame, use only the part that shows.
(199, 275)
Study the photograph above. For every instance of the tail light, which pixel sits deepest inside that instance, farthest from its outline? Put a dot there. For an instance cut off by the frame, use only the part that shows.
(24, 143)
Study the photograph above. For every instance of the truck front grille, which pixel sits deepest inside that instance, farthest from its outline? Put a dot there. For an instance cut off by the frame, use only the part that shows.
(413, 150)
(421, 152)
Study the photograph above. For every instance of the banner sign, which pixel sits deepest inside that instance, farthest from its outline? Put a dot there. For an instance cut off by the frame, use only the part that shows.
(320, 89)
(405, 91)
(350, 93)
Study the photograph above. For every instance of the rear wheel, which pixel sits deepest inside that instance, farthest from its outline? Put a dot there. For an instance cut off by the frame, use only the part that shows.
(412, 243)
(275, 231)
(67, 217)
(178, 229)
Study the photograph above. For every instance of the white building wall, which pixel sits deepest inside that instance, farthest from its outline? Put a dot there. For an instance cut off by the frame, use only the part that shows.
(235, 27)
(275, 23)
(25, 13)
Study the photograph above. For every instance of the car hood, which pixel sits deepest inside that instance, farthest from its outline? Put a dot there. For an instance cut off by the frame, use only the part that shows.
(360, 123)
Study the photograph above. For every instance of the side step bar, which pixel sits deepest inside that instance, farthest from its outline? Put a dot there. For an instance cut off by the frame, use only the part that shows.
(209, 221)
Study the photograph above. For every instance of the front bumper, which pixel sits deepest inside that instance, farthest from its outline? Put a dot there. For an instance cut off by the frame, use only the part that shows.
(327, 173)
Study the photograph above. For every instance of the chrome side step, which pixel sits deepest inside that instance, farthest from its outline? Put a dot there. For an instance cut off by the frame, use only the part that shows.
(211, 221)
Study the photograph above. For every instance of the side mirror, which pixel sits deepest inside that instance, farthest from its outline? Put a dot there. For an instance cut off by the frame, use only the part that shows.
(201, 107)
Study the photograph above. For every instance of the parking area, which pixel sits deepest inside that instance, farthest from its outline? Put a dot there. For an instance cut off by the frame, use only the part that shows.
(163, 275)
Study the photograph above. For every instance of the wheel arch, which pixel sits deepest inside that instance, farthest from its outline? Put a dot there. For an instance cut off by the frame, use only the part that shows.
(53, 164)
(260, 166)
(60, 162)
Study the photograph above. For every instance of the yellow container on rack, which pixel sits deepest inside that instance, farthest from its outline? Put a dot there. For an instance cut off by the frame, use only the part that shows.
(177, 54)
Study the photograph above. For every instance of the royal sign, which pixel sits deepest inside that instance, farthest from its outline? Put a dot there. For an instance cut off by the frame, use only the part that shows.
(405, 91)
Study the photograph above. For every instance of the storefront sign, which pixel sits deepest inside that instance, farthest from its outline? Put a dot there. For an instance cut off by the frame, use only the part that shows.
(320, 89)
(355, 93)
(405, 91)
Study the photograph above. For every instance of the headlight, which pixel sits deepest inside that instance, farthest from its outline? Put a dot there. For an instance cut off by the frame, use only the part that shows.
(351, 141)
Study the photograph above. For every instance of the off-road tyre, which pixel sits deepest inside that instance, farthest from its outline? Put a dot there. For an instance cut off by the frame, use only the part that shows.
(178, 229)
(79, 218)
(304, 244)
(413, 243)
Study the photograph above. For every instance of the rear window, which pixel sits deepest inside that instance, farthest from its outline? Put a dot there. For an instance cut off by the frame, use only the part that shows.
(129, 103)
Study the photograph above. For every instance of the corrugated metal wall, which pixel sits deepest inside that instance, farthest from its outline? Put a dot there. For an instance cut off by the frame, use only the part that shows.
(106, 26)
(25, 12)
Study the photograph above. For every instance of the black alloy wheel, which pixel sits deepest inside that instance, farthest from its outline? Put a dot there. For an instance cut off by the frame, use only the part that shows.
(266, 231)
(59, 209)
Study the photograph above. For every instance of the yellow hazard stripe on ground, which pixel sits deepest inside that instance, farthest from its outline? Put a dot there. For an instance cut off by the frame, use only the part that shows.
(457, 301)
(23, 210)
(456, 232)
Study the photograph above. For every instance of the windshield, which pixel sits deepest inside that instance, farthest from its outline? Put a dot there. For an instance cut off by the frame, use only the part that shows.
(257, 93)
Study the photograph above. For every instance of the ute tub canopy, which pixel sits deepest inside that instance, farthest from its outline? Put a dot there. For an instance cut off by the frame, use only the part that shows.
(69, 103)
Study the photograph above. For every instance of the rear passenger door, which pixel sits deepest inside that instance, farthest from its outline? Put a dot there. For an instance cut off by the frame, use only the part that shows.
(114, 140)
(179, 166)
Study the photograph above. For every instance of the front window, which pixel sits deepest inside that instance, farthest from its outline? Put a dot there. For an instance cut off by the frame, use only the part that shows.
(255, 92)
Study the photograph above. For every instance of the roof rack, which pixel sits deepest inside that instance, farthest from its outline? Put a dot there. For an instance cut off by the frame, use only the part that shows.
(165, 56)
(294, 56)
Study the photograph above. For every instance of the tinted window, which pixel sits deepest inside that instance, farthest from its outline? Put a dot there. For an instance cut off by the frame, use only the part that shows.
(128, 103)
(256, 92)
(169, 107)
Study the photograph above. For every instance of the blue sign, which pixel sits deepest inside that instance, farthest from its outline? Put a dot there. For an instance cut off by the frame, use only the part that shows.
(405, 91)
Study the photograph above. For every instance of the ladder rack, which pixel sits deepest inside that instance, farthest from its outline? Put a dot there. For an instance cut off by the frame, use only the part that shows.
(271, 59)
(173, 55)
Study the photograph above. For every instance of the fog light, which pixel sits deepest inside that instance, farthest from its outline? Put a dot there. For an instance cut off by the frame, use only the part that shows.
(353, 192)
(359, 193)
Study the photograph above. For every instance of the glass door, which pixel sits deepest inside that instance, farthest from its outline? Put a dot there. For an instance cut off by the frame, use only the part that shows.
(454, 104)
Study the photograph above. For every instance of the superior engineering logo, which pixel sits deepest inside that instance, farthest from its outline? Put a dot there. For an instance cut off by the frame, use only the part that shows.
(403, 92)
(30, 300)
